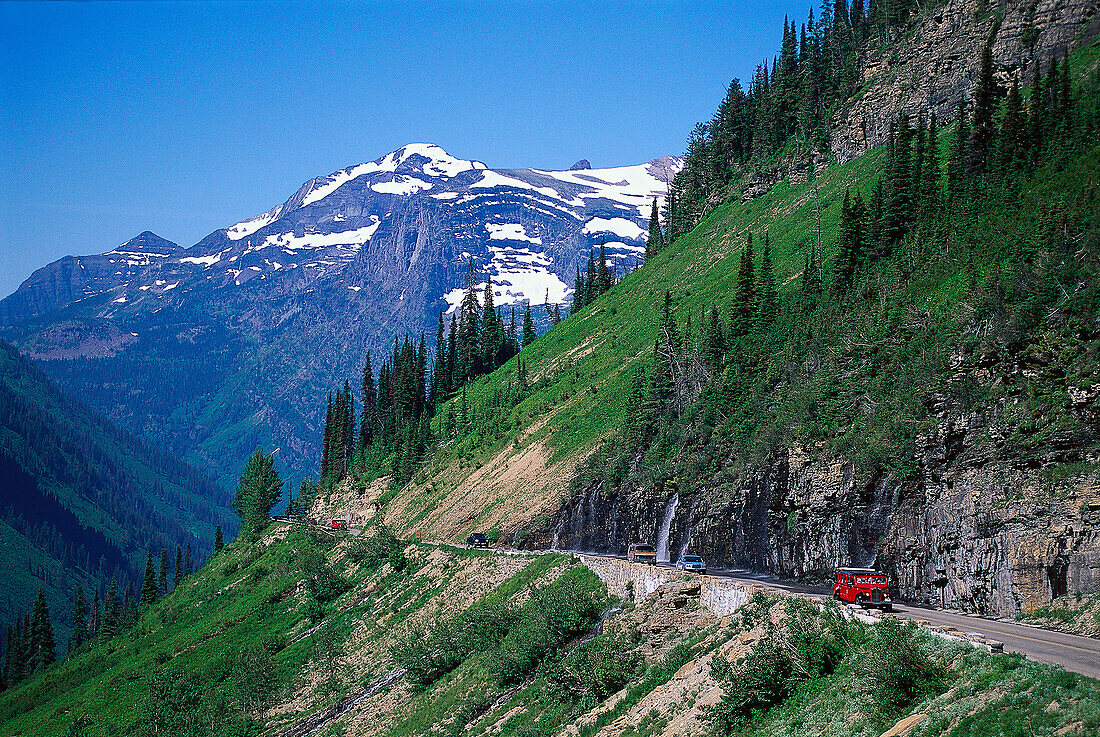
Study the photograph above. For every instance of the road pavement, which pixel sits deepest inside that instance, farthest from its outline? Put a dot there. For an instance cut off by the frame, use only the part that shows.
(1072, 652)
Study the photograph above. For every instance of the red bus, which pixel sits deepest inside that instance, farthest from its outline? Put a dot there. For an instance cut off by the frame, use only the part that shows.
(863, 586)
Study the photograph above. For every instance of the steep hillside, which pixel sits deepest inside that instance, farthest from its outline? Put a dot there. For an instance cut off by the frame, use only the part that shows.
(300, 633)
(936, 415)
(212, 350)
(81, 500)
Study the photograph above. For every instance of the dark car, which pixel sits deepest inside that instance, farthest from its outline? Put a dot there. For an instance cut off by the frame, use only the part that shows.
(477, 540)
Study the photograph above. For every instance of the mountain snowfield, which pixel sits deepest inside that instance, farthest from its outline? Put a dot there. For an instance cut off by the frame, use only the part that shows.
(164, 339)
(330, 220)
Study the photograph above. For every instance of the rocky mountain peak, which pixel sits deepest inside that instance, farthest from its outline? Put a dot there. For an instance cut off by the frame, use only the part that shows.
(147, 242)
(581, 165)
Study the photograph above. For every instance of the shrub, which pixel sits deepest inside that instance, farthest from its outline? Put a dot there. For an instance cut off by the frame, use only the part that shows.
(253, 676)
(592, 671)
(897, 669)
(375, 550)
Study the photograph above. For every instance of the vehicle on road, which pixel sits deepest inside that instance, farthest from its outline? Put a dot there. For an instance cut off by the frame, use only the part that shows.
(477, 540)
(339, 524)
(692, 563)
(642, 553)
(863, 586)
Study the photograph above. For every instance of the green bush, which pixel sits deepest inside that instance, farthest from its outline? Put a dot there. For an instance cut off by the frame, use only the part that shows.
(593, 671)
(897, 669)
(375, 550)
(512, 640)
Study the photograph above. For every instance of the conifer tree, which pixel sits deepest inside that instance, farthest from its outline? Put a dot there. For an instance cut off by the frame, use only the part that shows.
(985, 93)
(578, 290)
(745, 303)
(469, 327)
(219, 542)
(149, 583)
(188, 562)
(653, 242)
(42, 650)
(179, 568)
(307, 492)
(80, 621)
(591, 283)
(555, 316)
(898, 204)
(492, 331)
(713, 344)
(257, 491)
(930, 182)
(368, 422)
(15, 660)
(439, 388)
(956, 164)
(603, 276)
(1012, 137)
(528, 327)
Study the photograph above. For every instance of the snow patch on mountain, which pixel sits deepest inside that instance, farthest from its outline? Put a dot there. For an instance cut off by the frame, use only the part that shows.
(619, 226)
(519, 275)
(491, 179)
(203, 260)
(510, 232)
(401, 185)
(250, 226)
(291, 242)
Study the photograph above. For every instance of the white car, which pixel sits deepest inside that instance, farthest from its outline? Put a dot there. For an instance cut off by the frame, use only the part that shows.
(692, 563)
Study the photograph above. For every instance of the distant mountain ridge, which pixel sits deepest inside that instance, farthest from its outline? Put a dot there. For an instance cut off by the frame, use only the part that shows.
(81, 500)
(163, 338)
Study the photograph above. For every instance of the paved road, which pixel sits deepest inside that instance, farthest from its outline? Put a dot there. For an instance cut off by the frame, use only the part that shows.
(1073, 652)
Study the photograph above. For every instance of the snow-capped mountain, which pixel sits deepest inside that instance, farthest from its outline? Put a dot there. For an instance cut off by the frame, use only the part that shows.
(301, 291)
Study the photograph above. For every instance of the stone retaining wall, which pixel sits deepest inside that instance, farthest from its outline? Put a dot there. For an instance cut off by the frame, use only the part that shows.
(721, 596)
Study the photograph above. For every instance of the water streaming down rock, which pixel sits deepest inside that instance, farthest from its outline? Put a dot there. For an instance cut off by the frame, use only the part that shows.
(666, 528)
(685, 543)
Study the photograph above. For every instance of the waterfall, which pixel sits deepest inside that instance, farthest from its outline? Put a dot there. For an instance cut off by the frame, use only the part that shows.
(666, 528)
(557, 534)
(684, 547)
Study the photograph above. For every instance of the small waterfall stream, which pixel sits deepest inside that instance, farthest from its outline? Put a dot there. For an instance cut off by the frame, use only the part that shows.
(684, 546)
(666, 528)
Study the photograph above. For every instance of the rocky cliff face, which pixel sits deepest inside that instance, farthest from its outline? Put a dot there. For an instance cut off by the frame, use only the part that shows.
(970, 530)
(936, 67)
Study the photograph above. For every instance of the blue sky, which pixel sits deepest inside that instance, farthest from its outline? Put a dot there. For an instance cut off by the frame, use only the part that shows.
(182, 118)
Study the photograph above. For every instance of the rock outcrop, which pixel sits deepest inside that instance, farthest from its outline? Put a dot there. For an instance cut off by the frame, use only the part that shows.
(936, 67)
